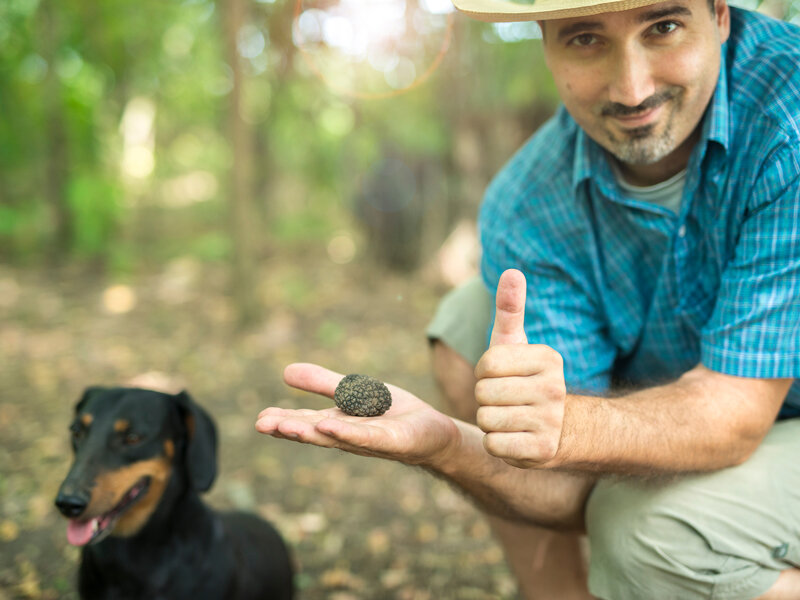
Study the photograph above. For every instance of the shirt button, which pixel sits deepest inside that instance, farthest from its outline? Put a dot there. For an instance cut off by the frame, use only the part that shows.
(682, 231)
(780, 551)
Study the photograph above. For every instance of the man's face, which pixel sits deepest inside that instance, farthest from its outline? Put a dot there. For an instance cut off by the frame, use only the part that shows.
(638, 81)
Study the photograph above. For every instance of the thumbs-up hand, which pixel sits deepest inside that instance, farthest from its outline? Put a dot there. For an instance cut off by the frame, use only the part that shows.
(520, 388)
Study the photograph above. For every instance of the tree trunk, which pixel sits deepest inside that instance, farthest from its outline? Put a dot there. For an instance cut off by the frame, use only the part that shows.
(56, 159)
(240, 202)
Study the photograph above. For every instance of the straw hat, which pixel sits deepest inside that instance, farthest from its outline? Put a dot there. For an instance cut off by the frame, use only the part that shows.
(538, 10)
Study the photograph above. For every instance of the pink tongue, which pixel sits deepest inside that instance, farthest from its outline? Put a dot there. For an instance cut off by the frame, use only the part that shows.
(79, 532)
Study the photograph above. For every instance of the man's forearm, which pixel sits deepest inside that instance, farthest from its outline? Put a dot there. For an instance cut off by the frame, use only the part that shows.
(546, 498)
(701, 422)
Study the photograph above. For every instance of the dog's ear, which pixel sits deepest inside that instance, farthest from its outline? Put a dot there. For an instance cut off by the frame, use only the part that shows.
(88, 393)
(201, 443)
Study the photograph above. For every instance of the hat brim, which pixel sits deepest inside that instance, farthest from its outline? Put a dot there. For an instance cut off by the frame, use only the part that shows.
(503, 11)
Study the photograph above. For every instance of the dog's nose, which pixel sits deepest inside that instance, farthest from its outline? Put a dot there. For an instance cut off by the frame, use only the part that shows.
(71, 505)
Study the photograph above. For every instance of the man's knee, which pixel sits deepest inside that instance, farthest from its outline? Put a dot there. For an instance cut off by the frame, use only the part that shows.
(644, 543)
(457, 334)
(456, 380)
(633, 543)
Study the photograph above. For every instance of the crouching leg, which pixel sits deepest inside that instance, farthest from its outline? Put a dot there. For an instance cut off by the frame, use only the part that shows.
(724, 535)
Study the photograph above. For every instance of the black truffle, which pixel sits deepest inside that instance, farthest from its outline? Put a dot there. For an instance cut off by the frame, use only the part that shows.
(362, 396)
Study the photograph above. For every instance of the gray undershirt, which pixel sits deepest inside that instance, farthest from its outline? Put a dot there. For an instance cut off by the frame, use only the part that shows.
(667, 194)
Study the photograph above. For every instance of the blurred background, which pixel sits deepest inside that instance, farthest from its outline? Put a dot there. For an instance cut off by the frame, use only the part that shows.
(195, 193)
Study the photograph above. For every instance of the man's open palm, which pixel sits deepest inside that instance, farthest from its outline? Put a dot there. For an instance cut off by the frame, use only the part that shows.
(411, 431)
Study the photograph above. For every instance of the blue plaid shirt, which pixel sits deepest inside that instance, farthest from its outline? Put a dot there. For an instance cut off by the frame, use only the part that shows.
(630, 292)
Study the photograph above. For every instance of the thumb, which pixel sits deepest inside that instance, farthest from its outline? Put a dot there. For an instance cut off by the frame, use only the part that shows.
(312, 378)
(509, 321)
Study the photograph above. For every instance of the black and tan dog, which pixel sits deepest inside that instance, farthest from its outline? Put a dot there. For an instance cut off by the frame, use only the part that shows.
(132, 499)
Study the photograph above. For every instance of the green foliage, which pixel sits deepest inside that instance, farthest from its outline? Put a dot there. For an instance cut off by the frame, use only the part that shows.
(330, 333)
(22, 228)
(312, 146)
(70, 70)
(300, 227)
(94, 205)
(211, 247)
(296, 291)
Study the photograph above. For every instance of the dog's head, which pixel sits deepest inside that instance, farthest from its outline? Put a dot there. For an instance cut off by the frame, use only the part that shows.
(129, 443)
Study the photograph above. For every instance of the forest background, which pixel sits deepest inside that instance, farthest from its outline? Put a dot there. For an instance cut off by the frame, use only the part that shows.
(194, 194)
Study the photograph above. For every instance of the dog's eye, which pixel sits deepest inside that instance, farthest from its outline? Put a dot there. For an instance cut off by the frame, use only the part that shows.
(131, 439)
(78, 431)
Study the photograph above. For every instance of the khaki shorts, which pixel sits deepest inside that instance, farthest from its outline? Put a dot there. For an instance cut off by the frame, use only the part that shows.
(722, 535)
(462, 320)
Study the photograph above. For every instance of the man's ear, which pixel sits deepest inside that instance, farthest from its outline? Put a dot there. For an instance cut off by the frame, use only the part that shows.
(723, 15)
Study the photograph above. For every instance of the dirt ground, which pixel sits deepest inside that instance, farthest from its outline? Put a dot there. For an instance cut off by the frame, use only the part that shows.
(359, 528)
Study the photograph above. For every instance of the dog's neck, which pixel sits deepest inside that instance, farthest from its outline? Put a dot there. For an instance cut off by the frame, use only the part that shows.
(143, 565)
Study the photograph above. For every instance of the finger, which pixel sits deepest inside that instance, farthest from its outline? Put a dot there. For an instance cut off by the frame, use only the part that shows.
(316, 427)
(533, 387)
(520, 464)
(270, 418)
(359, 435)
(518, 359)
(267, 425)
(509, 321)
(312, 378)
(305, 432)
(507, 419)
(285, 424)
(504, 391)
(274, 411)
(521, 446)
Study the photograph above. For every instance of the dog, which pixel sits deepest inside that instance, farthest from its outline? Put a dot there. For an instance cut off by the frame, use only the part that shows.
(141, 457)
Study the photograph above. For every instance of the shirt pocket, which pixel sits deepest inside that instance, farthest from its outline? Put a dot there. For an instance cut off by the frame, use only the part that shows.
(697, 305)
(698, 285)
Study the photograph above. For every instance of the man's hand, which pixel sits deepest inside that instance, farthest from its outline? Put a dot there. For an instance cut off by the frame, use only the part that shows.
(410, 431)
(520, 386)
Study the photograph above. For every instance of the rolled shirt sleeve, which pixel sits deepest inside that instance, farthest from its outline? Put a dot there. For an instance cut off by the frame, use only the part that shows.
(754, 329)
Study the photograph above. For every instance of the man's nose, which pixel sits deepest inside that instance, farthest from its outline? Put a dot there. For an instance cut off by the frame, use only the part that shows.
(632, 80)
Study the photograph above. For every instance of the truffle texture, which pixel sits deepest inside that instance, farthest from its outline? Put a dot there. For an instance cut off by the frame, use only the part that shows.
(362, 396)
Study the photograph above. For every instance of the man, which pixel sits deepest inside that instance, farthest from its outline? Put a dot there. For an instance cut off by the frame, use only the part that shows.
(654, 218)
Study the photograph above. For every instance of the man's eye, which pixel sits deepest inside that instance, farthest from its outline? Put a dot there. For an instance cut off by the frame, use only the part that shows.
(584, 39)
(665, 27)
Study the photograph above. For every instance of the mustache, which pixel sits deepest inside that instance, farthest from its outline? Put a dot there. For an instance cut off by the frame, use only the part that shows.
(615, 109)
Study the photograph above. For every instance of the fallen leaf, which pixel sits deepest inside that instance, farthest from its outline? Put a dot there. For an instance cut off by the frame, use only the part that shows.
(341, 578)
(9, 530)
(377, 541)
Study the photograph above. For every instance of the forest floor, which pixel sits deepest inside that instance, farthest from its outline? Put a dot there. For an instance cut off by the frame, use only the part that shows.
(359, 528)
